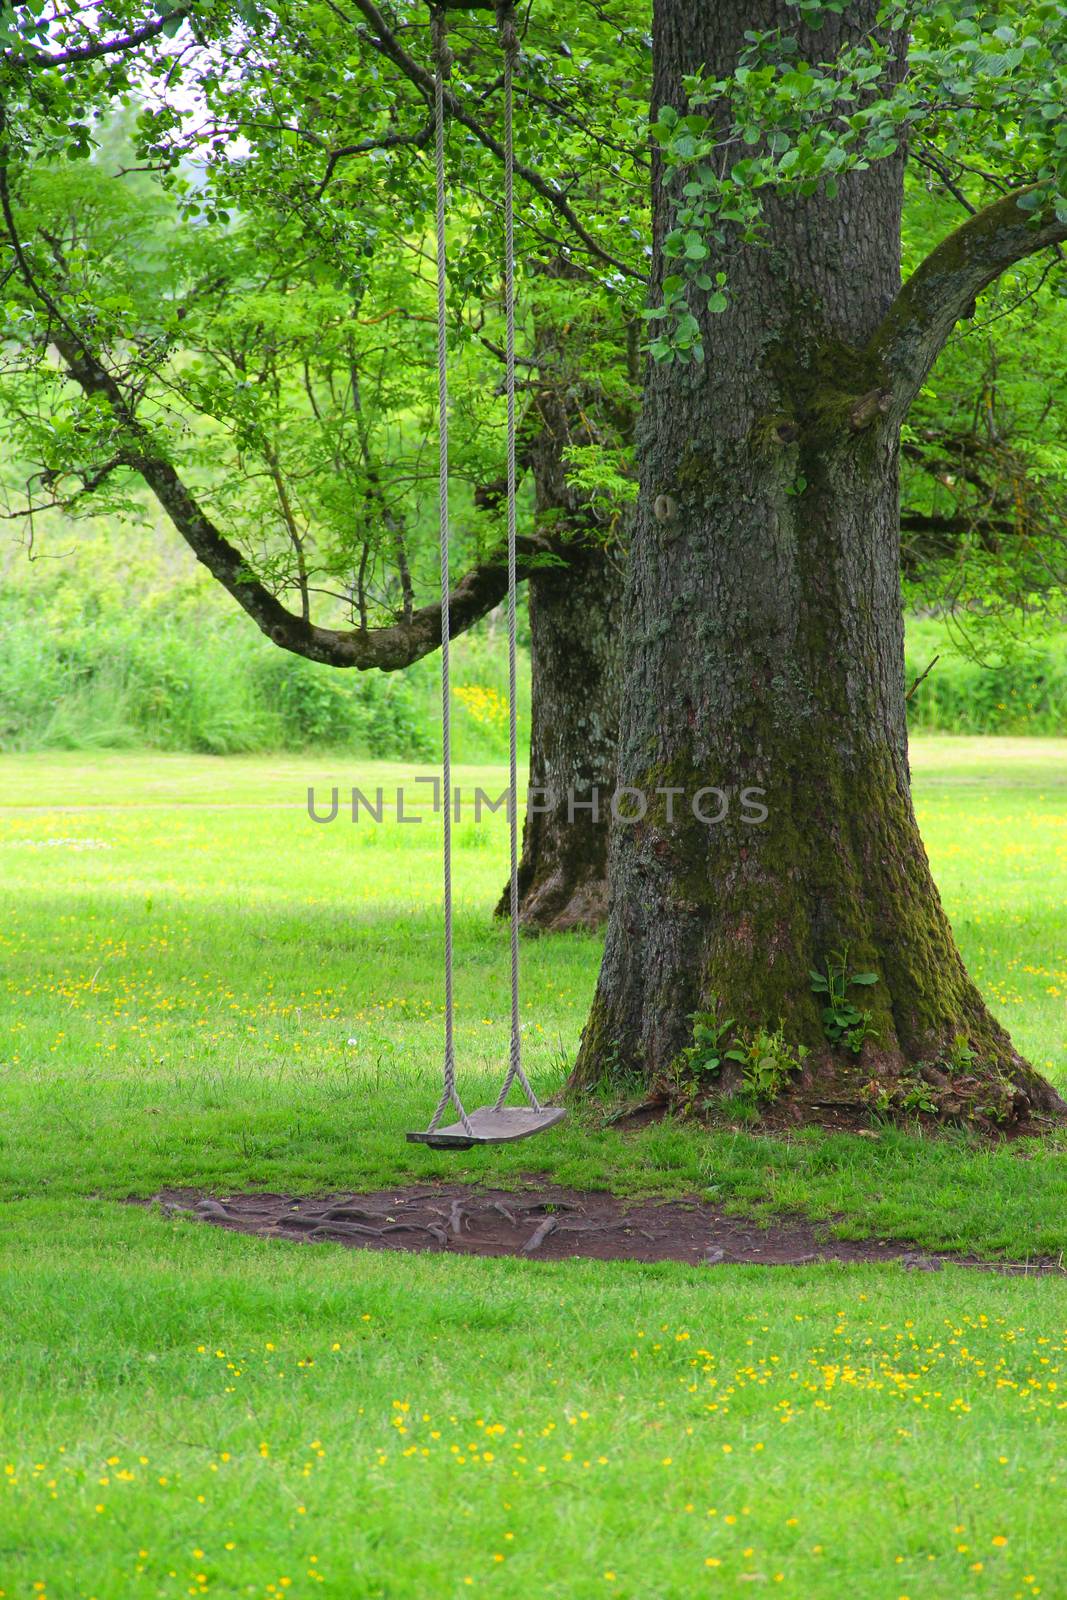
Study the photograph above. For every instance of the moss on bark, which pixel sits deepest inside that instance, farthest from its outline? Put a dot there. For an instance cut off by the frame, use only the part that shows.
(766, 650)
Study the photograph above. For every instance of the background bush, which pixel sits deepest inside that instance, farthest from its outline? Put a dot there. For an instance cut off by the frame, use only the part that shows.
(1017, 688)
(126, 644)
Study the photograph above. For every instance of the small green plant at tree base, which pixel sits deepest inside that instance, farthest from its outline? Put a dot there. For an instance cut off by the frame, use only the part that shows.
(709, 1045)
(879, 1095)
(766, 1059)
(995, 1111)
(698, 1060)
(917, 1097)
(946, 1089)
(844, 1024)
(961, 1058)
(909, 1093)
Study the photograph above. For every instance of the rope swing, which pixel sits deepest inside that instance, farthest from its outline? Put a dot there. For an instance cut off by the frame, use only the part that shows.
(499, 1123)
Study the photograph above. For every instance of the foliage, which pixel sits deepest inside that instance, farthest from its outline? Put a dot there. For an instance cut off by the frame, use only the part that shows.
(985, 679)
(980, 102)
(261, 294)
(106, 646)
(845, 1025)
(485, 705)
(768, 1061)
(222, 692)
(114, 643)
(983, 460)
(262, 288)
(949, 1090)
(606, 477)
(710, 1041)
(766, 1058)
(270, 387)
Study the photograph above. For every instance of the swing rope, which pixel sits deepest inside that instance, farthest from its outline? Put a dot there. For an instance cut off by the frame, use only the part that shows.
(442, 65)
(509, 40)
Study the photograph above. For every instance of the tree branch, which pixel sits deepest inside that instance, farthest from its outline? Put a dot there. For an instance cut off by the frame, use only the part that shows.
(943, 288)
(387, 141)
(117, 44)
(386, 42)
(389, 648)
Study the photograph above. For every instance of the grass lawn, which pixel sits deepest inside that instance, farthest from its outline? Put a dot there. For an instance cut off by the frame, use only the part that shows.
(198, 985)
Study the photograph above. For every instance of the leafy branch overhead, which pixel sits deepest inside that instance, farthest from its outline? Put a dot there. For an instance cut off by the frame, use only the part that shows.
(982, 100)
(242, 295)
(219, 216)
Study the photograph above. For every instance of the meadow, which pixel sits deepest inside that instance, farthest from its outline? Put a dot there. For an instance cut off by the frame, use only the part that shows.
(200, 986)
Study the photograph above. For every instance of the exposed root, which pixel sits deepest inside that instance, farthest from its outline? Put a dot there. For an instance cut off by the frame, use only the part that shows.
(464, 1220)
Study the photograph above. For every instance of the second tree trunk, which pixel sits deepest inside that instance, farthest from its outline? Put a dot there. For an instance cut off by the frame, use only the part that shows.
(574, 629)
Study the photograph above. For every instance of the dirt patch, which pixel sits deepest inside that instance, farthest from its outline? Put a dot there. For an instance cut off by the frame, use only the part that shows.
(553, 1224)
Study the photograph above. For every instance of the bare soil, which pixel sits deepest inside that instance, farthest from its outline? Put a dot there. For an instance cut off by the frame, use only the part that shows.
(547, 1223)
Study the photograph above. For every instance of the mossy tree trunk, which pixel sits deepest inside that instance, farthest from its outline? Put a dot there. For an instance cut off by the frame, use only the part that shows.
(764, 650)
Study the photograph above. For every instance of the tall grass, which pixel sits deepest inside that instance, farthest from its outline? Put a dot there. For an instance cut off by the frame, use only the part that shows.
(1021, 691)
(126, 644)
(90, 659)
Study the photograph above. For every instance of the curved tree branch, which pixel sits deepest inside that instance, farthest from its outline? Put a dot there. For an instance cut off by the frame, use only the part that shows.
(389, 648)
(944, 287)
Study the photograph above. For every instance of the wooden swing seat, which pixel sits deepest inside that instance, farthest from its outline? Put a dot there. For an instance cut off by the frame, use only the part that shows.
(491, 1127)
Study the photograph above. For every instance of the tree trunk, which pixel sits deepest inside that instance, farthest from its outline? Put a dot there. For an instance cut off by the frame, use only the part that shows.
(574, 636)
(574, 631)
(764, 650)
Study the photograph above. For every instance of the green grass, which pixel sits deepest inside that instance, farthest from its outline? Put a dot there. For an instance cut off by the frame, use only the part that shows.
(200, 986)
(190, 1412)
(203, 986)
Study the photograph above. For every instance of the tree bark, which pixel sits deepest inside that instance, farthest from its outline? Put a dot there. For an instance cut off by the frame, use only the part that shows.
(574, 652)
(574, 634)
(764, 650)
